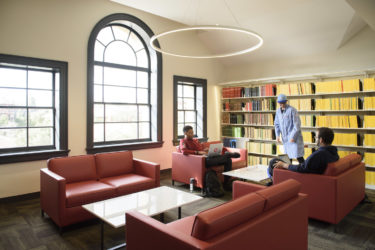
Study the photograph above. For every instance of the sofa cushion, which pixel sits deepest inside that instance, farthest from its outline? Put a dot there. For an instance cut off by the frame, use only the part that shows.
(129, 183)
(279, 193)
(113, 164)
(343, 164)
(74, 168)
(214, 221)
(80, 193)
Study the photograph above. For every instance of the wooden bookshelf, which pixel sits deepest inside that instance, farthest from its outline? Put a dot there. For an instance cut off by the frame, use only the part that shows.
(360, 112)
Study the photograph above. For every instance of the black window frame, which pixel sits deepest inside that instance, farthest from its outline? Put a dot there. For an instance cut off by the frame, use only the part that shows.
(128, 144)
(196, 82)
(13, 155)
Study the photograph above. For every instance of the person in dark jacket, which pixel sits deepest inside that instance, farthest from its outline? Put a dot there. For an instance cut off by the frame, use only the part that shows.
(317, 162)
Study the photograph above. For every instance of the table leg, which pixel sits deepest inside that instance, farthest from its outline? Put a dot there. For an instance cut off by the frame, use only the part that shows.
(102, 235)
(179, 212)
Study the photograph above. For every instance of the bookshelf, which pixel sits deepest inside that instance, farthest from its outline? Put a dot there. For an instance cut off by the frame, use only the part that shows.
(344, 112)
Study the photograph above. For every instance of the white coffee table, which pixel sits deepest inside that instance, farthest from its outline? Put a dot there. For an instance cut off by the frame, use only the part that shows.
(149, 202)
(256, 173)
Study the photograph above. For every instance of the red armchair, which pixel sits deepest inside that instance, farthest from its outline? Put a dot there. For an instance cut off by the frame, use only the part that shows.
(70, 182)
(256, 218)
(185, 167)
(333, 194)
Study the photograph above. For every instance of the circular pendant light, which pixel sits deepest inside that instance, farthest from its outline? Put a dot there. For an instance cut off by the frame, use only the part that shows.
(209, 27)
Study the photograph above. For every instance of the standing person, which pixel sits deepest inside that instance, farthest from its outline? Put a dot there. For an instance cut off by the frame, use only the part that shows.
(288, 129)
(191, 145)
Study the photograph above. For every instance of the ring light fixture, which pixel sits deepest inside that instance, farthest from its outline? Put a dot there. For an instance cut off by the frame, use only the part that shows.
(209, 27)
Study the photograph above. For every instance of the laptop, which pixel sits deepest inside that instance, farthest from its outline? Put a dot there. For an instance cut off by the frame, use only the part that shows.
(215, 149)
(284, 158)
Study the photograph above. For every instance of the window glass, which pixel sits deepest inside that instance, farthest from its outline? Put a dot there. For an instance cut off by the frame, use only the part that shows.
(120, 77)
(40, 117)
(40, 80)
(40, 98)
(12, 78)
(105, 36)
(121, 53)
(12, 117)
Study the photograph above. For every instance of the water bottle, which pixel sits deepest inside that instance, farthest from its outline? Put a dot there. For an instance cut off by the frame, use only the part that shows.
(192, 184)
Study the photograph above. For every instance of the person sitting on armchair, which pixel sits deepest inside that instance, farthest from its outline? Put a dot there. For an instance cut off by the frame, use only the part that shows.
(191, 145)
(317, 162)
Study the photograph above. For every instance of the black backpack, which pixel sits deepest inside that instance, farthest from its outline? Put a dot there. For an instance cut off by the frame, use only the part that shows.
(213, 186)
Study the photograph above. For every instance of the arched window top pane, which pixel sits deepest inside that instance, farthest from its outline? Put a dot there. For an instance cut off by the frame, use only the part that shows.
(121, 53)
(105, 36)
(142, 59)
(121, 33)
(99, 51)
(135, 42)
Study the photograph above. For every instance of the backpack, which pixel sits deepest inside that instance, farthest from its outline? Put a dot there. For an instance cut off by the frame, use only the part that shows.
(213, 186)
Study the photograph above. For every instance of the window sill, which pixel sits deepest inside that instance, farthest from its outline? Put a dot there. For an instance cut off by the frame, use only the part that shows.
(31, 156)
(128, 146)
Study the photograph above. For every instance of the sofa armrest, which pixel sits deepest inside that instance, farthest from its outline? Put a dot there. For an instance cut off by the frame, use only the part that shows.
(144, 232)
(241, 151)
(148, 169)
(185, 167)
(52, 193)
(241, 188)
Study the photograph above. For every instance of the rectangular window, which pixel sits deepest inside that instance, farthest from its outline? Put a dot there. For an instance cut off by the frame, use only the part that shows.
(32, 108)
(189, 106)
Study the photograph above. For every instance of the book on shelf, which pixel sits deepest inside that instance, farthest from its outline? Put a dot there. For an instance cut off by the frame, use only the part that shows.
(370, 177)
(261, 148)
(260, 105)
(337, 121)
(232, 106)
(308, 152)
(349, 103)
(369, 102)
(307, 137)
(369, 121)
(342, 153)
(304, 88)
(345, 139)
(368, 84)
(232, 92)
(352, 85)
(369, 159)
(307, 120)
(225, 118)
(265, 90)
(257, 160)
(259, 133)
(369, 140)
(301, 104)
(259, 119)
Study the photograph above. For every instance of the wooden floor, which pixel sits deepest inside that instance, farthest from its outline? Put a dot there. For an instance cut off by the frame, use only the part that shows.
(22, 227)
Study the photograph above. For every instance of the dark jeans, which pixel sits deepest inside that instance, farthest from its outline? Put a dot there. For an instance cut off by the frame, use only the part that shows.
(218, 160)
(275, 160)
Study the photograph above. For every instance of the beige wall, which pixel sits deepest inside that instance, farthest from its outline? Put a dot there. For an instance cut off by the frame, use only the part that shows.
(59, 30)
(357, 54)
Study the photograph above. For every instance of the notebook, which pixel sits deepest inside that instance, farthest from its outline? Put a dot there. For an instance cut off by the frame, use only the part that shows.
(215, 149)
(284, 158)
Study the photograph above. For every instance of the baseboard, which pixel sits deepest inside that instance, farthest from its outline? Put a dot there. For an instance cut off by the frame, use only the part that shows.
(21, 197)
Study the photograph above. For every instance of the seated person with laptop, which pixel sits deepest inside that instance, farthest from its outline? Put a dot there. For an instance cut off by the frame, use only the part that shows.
(216, 154)
(317, 162)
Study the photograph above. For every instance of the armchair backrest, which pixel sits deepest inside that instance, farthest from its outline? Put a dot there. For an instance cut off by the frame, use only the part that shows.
(343, 164)
(214, 221)
(114, 163)
(74, 168)
(222, 218)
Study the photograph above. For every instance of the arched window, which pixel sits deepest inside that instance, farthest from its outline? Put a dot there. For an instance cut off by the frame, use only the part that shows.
(124, 86)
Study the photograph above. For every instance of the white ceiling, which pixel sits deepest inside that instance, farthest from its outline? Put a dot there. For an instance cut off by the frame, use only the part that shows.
(290, 28)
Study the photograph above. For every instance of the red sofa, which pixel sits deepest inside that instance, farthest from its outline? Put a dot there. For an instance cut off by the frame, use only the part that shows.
(70, 182)
(333, 194)
(185, 167)
(256, 218)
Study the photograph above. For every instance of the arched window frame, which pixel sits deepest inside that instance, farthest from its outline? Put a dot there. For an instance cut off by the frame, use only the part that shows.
(155, 74)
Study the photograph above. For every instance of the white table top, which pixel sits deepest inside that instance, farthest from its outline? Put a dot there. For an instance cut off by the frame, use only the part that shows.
(253, 173)
(149, 202)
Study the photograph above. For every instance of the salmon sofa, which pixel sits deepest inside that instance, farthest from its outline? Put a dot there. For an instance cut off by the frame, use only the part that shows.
(333, 194)
(70, 182)
(258, 217)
